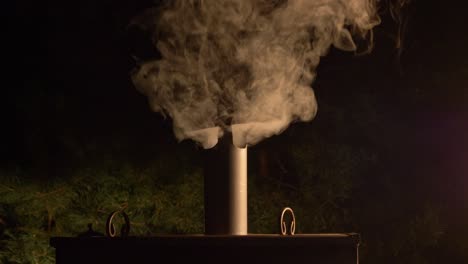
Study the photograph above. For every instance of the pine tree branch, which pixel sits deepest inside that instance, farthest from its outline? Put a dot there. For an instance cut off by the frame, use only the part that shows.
(6, 188)
(42, 195)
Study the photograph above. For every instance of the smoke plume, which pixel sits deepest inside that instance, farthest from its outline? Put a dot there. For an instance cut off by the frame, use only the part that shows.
(244, 66)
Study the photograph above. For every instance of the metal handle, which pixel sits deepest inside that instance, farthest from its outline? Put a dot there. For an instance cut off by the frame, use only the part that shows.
(110, 228)
(284, 229)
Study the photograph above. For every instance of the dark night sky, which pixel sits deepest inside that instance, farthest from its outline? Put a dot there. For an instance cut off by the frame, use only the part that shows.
(70, 62)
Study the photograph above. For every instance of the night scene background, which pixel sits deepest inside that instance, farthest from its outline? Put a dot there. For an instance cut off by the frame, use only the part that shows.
(386, 155)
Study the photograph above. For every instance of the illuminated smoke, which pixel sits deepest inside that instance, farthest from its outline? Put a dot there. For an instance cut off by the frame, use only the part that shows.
(244, 66)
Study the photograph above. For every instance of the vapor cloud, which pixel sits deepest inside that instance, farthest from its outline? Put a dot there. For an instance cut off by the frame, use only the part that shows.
(244, 66)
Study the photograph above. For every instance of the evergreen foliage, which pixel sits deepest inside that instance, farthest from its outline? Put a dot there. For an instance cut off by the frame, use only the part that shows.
(32, 212)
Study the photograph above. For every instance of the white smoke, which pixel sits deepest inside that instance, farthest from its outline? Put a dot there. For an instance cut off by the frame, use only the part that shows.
(244, 66)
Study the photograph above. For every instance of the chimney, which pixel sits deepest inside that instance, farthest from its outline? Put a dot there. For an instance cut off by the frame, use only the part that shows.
(225, 190)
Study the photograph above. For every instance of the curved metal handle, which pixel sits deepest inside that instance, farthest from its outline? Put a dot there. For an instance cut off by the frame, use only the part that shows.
(110, 228)
(284, 229)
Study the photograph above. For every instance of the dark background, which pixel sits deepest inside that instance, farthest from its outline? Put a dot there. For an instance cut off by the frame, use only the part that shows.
(68, 100)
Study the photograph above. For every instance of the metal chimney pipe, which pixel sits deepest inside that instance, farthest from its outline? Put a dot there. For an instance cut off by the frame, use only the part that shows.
(238, 190)
(225, 189)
